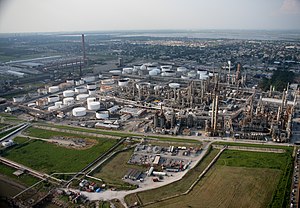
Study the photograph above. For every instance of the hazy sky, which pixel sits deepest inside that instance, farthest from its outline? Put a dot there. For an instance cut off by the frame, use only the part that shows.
(83, 15)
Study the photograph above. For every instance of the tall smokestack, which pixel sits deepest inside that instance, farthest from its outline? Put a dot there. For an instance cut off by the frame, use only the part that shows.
(83, 47)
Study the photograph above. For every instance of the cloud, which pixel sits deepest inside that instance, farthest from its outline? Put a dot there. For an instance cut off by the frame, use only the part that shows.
(291, 6)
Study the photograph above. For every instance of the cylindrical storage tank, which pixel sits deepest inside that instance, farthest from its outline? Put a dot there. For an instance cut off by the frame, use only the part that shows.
(58, 104)
(203, 77)
(181, 69)
(102, 114)
(80, 90)
(70, 81)
(170, 73)
(127, 70)
(68, 93)
(82, 97)
(52, 108)
(118, 72)
(91, 99)
(108, 82)
(77, 82)
(91, 86)
(143, 67)
(53, 98)
(31, 105)
(53, 89)
(100, 76)
(94, 106)
(151, 67)
(166, 68)
(89, 78)
(92, 92)
(153, 73)
(201, 72)
(80, 111)
(68, 101)
(123, 82)
(185, 77)
(136, 68)
(174, 85)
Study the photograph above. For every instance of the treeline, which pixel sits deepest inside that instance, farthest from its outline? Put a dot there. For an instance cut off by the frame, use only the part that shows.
(279, 80)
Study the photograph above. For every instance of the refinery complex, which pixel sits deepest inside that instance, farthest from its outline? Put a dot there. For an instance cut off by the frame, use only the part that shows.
(135, 120)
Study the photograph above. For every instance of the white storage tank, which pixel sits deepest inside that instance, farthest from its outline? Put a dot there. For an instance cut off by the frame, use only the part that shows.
(182, 69)
(68, 101)
(58, 104)
(108, 82)
(203, 77)
(94, 106)
(89, 79)
(166, 68)
(68, 93)
(123, 82)
(80, 111)
(185, 77)
(201, 72)
(91, 86)
(127, 70)
(174, 85)
(169, 73)
(192, 74)
(53, 89)
(80, 90)
(92, 92)
(82, 97)
(100, 76)
(115, 71)
(70, 81)
(90, 99)
(153, 73)
(53, 98)
(52, 108)
(102, 114)
(136, 68)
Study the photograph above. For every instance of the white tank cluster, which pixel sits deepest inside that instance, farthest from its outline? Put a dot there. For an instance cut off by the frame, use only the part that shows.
(52, 99)
(89, 78)
(93, 105)
(53, 89)
(123, 82)
(82, 97)
(102, 114)
(80, 90)
(68, 93)
(174, 85)
(91, 86)
(68, 101)
(79, 111)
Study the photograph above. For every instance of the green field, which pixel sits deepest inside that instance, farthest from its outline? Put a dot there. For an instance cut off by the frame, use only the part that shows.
(176, 187)
(232, 187)
(50, 158)
(238, 179)
(114, 170)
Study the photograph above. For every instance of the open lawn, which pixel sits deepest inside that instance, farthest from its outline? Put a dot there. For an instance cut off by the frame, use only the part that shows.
(114, 170)
(50, 158)
(226, 186)
(176, 187)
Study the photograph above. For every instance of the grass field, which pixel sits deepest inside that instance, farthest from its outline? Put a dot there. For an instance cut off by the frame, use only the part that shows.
(226, 186)
(120, 134)
(50, 158)
(238, 179)
(114, 170)
(176, 187)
